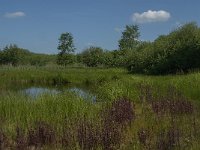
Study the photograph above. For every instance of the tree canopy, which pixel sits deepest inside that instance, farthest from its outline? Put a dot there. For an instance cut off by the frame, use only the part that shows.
(179, 51)
(66, 44)
(66, 48)
(129, 38)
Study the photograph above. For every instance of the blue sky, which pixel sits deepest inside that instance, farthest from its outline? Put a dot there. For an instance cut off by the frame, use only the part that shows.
(37, 24)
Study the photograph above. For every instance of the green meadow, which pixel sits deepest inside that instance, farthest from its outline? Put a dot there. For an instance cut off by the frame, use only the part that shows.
(140, 94)
(130, 111)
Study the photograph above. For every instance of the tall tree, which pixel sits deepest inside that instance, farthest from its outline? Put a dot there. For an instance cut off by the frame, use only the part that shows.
(66, 48)
(129, 38)
(66, 44)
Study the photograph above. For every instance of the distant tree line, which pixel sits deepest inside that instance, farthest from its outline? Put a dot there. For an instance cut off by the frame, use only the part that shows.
(179, 51)
(15, 56)
(96, 56)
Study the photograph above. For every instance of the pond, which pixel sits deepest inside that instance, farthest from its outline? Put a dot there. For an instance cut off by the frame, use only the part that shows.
(35, 91)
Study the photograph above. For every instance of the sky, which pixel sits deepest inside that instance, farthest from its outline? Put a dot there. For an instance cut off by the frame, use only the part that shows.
(37, 24)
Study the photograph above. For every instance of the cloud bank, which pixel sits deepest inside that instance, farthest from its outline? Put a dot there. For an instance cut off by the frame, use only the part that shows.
(151, 16)
(15, 14)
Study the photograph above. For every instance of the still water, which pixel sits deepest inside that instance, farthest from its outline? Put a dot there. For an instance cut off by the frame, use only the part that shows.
(36, 91)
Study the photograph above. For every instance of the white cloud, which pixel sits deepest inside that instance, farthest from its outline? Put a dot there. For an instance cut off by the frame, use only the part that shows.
(151, 16)
(15, 14)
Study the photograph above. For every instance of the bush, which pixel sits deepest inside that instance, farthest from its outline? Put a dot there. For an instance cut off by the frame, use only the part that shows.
(175, 52)
(92, 57)
(66, 59)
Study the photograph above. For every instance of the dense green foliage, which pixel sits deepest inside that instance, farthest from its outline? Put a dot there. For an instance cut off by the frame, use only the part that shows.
(66, 59)
(178, 51)
(93, 57)
(97, 57)
(13, 55)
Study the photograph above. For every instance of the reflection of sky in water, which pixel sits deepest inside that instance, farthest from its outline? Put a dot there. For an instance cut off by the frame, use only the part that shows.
(37, 91)
(83, 93)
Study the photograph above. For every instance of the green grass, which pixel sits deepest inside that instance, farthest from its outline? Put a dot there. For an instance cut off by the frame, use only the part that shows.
(67, 110)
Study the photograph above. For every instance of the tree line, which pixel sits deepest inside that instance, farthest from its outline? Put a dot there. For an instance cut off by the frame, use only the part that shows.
(178, 51)
(15, 56)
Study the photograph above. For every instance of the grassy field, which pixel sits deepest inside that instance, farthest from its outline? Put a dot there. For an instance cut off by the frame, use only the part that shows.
(131, 112)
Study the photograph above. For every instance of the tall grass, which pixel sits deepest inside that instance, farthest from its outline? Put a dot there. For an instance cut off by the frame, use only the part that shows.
(131, 112)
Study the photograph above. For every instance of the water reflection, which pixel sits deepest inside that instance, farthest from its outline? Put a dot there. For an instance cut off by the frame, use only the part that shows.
(34, 92)
(37, 91)
(83, 93)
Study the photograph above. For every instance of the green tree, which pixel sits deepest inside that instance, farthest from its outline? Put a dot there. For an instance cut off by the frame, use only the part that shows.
(108, 59)
(66, 59)
(179, 51)
(66, 48)
(141, 60)
(13, 55)
(66, 44)
(129, 39)
(93, 56)
(119, 58)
